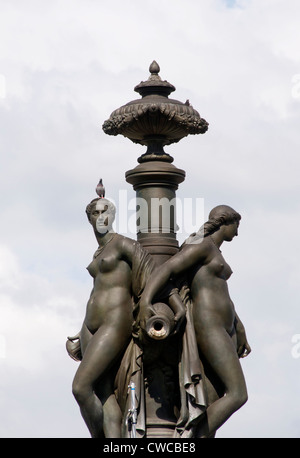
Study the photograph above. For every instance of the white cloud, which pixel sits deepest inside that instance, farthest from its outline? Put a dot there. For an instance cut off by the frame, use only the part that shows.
(37, 315)
(34, 310)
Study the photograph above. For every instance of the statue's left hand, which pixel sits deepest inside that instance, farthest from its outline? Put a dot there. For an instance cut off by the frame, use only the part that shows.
(243, 347)
(244, 350)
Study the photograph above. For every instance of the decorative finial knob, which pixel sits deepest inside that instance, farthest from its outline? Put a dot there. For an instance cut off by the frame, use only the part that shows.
(154, 68)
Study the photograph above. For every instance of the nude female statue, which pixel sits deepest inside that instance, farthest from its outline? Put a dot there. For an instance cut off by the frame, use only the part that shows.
(220, 335)
(107, 325)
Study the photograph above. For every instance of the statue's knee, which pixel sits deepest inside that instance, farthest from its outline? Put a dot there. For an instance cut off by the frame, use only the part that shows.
(79, 391)
(241, 398)
(237, 398)
(244, 398)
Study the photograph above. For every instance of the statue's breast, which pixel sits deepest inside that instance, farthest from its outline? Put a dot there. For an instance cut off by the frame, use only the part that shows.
(219, 267)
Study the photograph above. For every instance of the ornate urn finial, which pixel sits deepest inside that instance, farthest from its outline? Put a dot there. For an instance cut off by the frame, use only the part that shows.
(155, 120)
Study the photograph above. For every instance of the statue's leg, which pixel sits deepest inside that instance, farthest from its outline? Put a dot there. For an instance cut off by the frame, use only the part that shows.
(112, 415)
(102, 351)
(220, 353)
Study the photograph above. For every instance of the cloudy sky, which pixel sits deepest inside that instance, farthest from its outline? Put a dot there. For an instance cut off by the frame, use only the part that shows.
(65, 66)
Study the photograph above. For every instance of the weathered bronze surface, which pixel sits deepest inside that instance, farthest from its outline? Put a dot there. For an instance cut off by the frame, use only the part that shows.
(155, 120)
(160, 344)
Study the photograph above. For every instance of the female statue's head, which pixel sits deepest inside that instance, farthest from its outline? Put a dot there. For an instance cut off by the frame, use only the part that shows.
(219, 216)
(101, 214)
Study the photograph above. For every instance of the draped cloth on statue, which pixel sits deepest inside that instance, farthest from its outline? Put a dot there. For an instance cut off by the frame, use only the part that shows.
(190, 372)
(191, 381)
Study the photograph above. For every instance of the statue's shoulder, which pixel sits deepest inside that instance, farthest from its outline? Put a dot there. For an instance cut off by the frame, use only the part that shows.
(196, 251)
(201, 244)
(126, 241)
(126, 245)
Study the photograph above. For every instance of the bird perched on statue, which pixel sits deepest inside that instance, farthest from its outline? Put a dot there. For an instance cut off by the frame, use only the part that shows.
(100, 189)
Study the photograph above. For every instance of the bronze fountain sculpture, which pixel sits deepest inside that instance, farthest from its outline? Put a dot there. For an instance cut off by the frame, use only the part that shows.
(160, 344)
